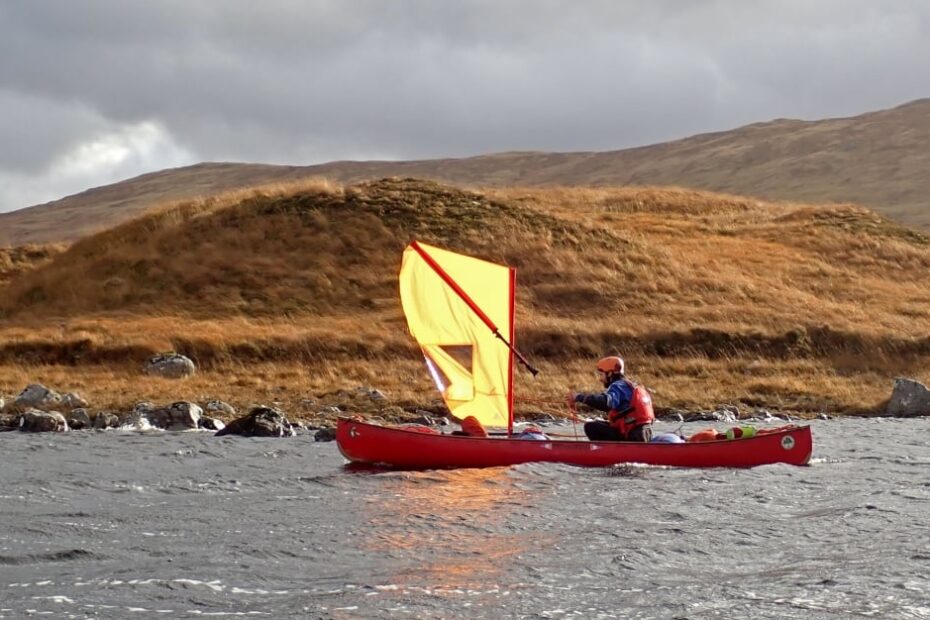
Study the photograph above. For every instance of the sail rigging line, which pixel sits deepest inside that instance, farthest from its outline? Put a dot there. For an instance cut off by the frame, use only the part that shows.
(542, 401)
(471, 304)
(570, 405)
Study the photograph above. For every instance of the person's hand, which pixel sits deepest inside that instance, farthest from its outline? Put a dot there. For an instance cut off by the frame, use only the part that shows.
(570, 400)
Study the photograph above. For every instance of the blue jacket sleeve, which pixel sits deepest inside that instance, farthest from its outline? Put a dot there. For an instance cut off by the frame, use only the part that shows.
(619, 395)
(596, 401)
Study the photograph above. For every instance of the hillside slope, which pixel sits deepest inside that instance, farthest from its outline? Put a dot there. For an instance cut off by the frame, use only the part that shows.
(15, 261)
(710, 296)
(100, 208)
(879, 159)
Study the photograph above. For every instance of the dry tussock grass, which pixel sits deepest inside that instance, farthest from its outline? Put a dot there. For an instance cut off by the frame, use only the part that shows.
(715, 298)
(18, 260)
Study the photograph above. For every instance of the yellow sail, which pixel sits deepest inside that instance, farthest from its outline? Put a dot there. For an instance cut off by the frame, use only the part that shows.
(453, 303)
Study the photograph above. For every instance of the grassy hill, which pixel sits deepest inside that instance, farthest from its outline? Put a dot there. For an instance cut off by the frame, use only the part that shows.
(289, 291)
(879, 160)
(17, 260)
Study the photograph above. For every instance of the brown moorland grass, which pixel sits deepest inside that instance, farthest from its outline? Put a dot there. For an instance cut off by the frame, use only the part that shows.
(288, 292)
(14, 261)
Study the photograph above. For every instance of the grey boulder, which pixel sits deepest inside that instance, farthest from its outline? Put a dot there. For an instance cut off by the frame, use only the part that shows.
(78, 419)
(171, 365)
(178, 416)
(219, 407)
(105, 420)
(325, 434)
(909, 398)
(260, 422)
(35, 421)
(37, 396)
(211, 424)
(73, 400)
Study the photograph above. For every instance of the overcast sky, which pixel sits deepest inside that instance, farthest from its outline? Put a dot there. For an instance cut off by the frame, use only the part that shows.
(92, 92)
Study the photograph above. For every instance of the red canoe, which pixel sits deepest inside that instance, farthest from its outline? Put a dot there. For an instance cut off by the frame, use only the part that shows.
(400, 448)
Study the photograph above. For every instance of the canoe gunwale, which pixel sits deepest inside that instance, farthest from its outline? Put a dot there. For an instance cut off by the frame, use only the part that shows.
(399, 448)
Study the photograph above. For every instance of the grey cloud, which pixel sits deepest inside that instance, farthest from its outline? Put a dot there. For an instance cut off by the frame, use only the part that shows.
(306, 82)
(32, 128)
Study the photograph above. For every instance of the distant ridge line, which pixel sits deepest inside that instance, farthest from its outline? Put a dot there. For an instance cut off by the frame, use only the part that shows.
(878, 159)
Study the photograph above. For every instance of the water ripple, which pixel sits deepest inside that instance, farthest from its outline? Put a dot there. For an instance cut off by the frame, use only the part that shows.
(181, 524)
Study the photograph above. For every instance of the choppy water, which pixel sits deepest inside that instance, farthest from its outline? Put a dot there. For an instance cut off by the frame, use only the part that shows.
(125, 525)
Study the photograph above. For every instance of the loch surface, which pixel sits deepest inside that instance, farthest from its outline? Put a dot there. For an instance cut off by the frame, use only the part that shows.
(177, 525)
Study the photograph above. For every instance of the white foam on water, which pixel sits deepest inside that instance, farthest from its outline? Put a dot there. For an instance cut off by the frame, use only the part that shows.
(54, 598)
(200, 612)
(215, 585)
(141, 425)
(133, 488)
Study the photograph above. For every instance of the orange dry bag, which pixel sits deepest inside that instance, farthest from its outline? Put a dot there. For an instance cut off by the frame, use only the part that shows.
(472, 427)
(708, 434)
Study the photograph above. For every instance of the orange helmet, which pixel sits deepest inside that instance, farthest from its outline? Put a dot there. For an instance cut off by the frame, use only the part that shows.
(612, 365)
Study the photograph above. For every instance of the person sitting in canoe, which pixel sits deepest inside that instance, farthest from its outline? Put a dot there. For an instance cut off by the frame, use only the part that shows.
(628, 406)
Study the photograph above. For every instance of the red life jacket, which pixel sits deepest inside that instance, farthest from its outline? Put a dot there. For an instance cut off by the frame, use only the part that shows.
(639, 413)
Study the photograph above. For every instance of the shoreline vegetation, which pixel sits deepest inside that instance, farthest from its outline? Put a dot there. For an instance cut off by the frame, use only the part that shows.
(286, 296)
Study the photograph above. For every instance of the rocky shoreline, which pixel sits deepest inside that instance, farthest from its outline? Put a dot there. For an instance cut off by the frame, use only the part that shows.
(38, 408)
